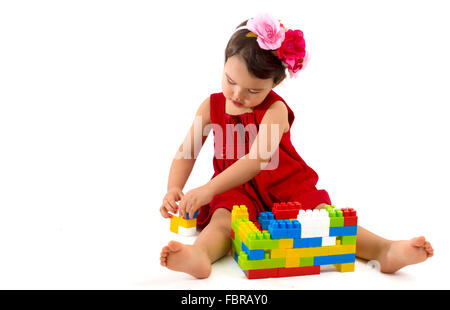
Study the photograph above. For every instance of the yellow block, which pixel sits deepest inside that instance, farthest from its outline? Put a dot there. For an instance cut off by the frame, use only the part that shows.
(349, 267)
(300, 252)
(292, 261)
(277, 253)
(320, 251)
(187, 223)
(245, 228)
(286, 243)
(239, 212)
(342, 249)
(174, 224)
(308, 252)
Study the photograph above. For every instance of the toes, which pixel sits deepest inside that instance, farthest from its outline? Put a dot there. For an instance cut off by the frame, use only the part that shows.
(175, 246)
(428, 246)
(165, 251)
(418, 241)
(163, 260)
(429, 249)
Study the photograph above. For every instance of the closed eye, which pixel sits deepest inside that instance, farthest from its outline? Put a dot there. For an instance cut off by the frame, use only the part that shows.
(232, 83)
(249, 90)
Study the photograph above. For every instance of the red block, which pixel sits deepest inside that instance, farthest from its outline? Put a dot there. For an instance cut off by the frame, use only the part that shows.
(348, 212)
(286, 210)
(351, 221)
(350, 218)
(261, 273)
(285, 214)
(232, 234)
(298, 271)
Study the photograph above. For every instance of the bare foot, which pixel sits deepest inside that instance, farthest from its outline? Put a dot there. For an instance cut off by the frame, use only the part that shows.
(186, 258)
(404, 253)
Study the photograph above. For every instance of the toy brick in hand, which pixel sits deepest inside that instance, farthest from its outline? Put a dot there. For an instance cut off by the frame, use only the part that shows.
(184, 226)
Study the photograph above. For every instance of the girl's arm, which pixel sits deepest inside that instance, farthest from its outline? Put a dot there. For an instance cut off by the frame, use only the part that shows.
(275, 121)
(273, 125)
(184, 160)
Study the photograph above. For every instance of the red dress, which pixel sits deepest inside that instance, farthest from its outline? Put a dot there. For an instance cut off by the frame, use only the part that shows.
(291, 180)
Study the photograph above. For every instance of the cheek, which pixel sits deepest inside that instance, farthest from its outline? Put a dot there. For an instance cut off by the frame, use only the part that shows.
(227, 90)
(254, 100)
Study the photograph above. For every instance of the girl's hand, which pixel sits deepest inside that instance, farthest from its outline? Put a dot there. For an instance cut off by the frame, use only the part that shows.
(170, 202)
(194, 199)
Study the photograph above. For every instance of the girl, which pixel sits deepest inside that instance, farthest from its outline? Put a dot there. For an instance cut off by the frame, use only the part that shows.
(255, 163)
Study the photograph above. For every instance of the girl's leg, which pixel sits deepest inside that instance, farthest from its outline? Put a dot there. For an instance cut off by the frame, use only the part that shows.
(215, 238)
(212, 243)
(391, 255)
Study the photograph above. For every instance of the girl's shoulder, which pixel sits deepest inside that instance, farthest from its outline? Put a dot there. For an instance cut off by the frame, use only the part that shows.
(204, 111)
(277, 104)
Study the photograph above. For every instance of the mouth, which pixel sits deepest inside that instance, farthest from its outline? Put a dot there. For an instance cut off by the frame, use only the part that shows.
(237, 103)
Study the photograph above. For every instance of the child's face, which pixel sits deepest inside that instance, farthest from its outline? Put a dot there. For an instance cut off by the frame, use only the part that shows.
(240, 87)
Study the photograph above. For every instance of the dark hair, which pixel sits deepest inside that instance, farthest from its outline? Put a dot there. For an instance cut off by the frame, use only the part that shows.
(260, 63)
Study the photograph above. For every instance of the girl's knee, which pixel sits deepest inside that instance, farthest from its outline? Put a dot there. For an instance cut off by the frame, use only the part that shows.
(221, 214)
(221, 218)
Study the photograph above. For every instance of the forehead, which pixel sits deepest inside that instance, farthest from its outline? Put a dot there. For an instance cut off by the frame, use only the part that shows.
(236, 69)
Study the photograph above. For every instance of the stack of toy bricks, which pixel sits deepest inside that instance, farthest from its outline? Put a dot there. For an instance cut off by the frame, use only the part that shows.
(184, 226)
(292, 242)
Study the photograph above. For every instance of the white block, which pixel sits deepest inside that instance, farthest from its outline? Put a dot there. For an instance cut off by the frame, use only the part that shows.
(187, 231)
(315, 223)
(328, 241)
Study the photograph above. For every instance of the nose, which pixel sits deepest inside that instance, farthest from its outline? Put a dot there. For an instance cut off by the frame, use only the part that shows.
(238, 94)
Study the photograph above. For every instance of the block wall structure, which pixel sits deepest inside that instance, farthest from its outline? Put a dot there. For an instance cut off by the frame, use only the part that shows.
(290, 241)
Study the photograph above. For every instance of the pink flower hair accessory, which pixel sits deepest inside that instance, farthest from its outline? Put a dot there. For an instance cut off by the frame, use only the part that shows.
(287, 45)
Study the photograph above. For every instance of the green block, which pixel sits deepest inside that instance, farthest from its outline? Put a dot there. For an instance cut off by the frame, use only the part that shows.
(237, 244)
(348, 240)
(306, 261)
(266, 263)
(329, 208)
(336, 221)
(336, 218)
(261, 241)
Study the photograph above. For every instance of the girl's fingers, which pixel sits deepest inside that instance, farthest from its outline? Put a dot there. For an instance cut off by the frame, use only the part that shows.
(191, 210)
(182, 207)
(164, 212)
(172, 205)
(188, 206)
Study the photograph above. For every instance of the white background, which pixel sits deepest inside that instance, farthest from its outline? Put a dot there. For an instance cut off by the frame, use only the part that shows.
(96, 96)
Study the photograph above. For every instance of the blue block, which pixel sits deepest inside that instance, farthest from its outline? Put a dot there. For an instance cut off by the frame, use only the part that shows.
(252, 254)
(301, 243)
(296, 229)
(343, 231)
(194, 217)
(284, 229)
(307, 242)
(264, 219)
(334, 259)
(278, 229)
(315, 242)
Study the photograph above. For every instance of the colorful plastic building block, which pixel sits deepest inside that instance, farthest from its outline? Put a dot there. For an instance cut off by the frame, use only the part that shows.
(285, 210)
(291, 242)
(184, 226)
